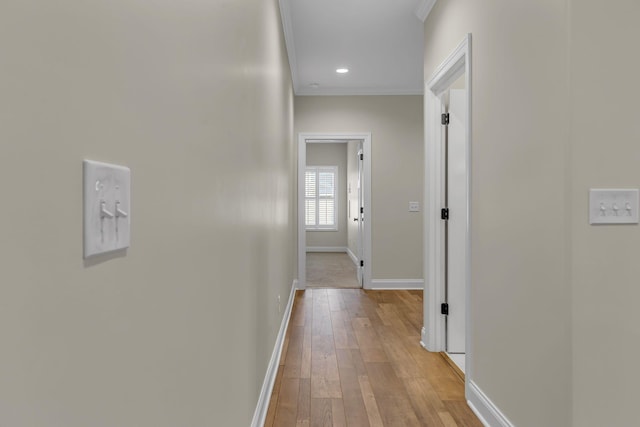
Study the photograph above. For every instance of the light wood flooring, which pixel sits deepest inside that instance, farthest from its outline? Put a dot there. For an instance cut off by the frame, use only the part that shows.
(353, 358)
(330, 270)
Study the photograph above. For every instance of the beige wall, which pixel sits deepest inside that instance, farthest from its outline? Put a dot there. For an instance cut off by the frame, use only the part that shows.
(520, 301)
(322, 154)
(196, 98)
(605, 268)
(395, 123)
(554, 301)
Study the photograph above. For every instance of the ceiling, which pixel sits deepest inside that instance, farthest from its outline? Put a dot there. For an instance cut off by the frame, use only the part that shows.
(379, 41)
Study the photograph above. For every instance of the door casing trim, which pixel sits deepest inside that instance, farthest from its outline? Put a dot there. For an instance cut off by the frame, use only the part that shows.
(305, 138)
(433, 333)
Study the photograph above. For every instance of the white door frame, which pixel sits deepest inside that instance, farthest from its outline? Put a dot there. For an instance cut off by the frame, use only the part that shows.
(360, 215)
(433, 332)
(303, 139)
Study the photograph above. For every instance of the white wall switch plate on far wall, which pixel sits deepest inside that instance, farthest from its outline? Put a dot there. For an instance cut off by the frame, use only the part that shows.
(414, 206)
(613, 206)
(107, 203)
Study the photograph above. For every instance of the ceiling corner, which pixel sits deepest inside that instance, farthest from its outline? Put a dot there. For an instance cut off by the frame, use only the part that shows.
(424, 8)
(287, 29)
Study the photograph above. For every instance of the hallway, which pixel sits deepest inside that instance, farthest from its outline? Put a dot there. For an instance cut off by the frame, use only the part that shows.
(353, 358)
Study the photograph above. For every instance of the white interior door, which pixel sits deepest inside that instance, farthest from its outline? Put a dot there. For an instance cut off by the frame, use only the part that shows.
(360, 216)
(456, 226)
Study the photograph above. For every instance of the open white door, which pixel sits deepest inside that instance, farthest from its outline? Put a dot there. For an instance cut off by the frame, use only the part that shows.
(360, 216)
(456, 226)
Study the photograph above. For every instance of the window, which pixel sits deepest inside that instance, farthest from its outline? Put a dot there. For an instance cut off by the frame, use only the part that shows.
(320, 198)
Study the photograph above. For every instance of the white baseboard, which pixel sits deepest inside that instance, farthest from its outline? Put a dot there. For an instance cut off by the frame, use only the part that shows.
(260, 414)
(483, 407)
(389, 284)
(488, 413)
(423, 338)
(326, 249)
(353, 256)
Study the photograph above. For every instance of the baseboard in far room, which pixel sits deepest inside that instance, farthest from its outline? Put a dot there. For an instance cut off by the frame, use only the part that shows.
(353, 256)
(483, 407)
(260, 414)
(326, 249)
(391, 284)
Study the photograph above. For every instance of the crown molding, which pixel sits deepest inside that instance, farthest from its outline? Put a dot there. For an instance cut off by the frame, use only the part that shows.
(287, 29)
(424, 8)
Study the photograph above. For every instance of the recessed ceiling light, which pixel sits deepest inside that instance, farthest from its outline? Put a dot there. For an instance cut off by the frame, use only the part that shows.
(342, 70)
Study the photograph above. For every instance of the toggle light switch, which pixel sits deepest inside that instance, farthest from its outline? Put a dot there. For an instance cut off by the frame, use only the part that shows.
(613, 206)
(107, 209)
(104, 213)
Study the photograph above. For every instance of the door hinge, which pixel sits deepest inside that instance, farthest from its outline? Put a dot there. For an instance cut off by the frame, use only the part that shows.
(444, 213)
(444, 308)
(361, 209)
(444, 119)
(361, 263)
(361, 156)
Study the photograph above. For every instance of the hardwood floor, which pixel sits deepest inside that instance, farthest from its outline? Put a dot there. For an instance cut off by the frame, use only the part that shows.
(353, 358)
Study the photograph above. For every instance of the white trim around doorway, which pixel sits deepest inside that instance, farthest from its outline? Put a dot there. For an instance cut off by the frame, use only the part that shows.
(313, 138)
(433, 333)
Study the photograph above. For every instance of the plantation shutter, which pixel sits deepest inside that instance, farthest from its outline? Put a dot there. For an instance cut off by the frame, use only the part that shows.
(320, 197)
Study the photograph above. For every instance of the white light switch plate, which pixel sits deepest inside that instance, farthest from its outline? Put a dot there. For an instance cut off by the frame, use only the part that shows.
(107, 213)
(613, 206)
(414, 206)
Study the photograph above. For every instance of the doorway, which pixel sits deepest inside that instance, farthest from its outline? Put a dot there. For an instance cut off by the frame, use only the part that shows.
(447, 231)
(455, 192)
(350, 258)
